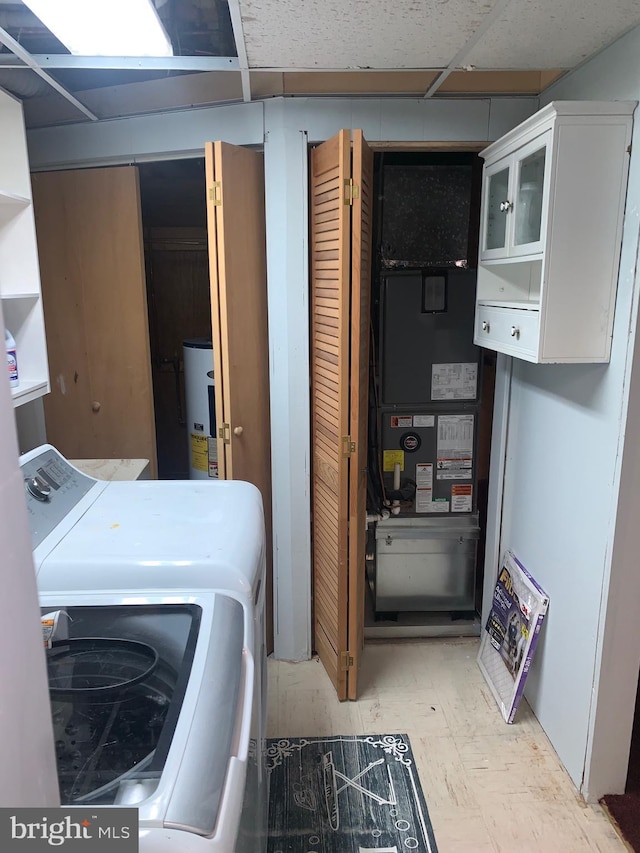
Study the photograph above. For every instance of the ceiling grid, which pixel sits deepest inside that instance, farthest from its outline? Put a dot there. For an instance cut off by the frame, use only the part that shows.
(226, 51)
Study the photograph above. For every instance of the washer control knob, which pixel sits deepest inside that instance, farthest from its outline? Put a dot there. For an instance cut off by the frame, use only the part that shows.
(38, 488)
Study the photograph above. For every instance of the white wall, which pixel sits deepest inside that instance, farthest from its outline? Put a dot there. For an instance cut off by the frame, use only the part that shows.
(566, 478)
(286, 125)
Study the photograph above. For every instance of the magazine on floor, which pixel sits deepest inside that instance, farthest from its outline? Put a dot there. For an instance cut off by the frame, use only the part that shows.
(511, 634)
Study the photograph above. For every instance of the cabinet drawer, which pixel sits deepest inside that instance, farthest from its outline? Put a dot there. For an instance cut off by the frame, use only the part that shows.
(513, 331)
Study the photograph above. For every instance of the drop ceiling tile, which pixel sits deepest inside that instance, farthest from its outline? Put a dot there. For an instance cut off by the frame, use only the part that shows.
(358, 33)
(552, 33)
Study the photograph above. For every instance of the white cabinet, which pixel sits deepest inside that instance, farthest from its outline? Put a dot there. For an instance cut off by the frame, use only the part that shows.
(553, 196)
(19, 269)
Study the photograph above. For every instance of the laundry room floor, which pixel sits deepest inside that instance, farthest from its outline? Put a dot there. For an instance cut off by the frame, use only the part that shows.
(488, 786)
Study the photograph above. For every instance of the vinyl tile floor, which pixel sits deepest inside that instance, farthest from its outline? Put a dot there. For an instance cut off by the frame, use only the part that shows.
(489, 787)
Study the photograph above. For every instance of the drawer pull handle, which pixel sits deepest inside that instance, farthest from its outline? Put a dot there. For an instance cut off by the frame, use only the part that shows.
(515, 332)
(485, 326)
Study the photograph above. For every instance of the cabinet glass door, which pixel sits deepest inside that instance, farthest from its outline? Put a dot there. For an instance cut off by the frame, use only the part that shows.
(495, 234)
(529, 197)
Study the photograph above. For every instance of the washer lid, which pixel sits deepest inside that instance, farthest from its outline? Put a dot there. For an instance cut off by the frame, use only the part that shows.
(162, 534)
(166, 744)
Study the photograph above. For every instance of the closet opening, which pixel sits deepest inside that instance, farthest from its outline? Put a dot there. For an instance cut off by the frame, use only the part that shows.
(430, 399)
(174, 221)
(401, 398)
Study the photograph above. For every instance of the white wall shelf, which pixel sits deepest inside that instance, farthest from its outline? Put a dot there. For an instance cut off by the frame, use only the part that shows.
(19, 270)
(550, 235)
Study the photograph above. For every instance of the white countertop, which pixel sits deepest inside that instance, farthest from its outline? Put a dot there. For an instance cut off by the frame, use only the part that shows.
(114, 469)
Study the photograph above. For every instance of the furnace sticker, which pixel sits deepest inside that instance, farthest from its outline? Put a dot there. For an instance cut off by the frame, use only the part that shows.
(424, 420)
(455, 381)
(424, 486)
(423, 500)
(424, 475)
(461, 498)
(439, 505)
(455, 447)
(403, 421)
(389, 459)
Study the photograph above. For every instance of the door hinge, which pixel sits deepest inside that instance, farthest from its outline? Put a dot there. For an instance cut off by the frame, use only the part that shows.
(348, 446)
(351, 191)
(215, 193)
(224, 432)
(346, 661)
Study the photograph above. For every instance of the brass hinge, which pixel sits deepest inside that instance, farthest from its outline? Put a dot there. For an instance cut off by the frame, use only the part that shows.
(346, 661)
(215, 193)
(351, 191)
(348, 446)
(224, 432)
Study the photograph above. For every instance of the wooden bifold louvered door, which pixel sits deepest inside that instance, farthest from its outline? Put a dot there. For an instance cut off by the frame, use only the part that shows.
(340, 211)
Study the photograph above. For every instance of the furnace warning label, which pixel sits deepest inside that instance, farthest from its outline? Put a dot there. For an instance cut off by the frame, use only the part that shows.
(424, 420)
(424, 486)
(390, 457)
(404, 421)
(424, 475)
(439, 505)
(461, 498)
(455, 447)
(454, 381)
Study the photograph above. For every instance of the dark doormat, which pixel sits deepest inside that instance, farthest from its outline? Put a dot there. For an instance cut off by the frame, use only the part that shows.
(346, 794)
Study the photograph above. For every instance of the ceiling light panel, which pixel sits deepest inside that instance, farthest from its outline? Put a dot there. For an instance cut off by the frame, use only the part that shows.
(104, 27)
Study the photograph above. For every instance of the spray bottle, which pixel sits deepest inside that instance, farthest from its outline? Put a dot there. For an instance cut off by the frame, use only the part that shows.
(12, 361)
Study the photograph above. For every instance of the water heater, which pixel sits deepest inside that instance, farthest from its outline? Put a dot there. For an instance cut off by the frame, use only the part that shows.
(200, 408)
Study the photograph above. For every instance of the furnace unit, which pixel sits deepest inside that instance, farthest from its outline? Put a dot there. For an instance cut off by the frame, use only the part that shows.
(427, 436)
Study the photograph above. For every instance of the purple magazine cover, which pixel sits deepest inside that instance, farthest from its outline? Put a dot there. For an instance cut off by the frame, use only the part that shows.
(512, 631)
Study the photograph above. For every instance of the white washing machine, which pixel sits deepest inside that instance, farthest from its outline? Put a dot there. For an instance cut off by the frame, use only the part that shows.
(157, 670)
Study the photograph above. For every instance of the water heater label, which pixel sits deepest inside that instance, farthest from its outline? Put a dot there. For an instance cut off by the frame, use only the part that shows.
(454, 381)
(213, 457)
(199, 452)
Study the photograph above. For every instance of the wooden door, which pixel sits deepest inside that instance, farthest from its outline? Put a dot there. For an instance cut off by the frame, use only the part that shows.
(90, 246)
(340, 199)
(238, 275)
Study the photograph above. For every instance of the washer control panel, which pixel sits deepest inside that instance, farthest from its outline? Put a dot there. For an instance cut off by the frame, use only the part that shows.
(53, 487)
